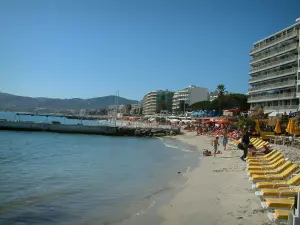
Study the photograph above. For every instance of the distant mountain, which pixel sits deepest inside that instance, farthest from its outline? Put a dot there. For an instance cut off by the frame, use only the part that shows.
(20, 103)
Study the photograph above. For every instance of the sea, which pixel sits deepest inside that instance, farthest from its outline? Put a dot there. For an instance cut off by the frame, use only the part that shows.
(53, 178)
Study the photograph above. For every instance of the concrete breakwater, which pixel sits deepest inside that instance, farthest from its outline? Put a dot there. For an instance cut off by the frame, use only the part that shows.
(85, 129)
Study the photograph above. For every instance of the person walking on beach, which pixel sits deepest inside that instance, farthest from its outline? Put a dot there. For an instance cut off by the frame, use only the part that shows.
(215, 145)
(225, 139)
(245, 142)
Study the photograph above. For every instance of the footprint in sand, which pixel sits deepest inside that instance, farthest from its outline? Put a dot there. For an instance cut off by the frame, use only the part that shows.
(258, 210)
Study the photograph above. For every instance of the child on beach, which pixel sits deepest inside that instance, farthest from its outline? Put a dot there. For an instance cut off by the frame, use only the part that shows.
(215, 145)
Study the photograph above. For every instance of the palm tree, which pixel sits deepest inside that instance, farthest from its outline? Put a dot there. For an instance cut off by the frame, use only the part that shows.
(221, 91)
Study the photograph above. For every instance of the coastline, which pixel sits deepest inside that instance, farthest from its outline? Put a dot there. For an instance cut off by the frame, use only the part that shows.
(218, 191)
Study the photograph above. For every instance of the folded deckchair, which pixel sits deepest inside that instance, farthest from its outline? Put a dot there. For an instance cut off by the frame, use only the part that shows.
(284, 183)
(267, 167)
(283, 192)
(280, 216)
(271, 177)
(235, 142)
(265, 163)
(261, 145)
(278, 203)
(277, 170)
(266, 159)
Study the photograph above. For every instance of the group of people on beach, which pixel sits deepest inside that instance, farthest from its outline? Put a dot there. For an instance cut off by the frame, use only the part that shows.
(216, 144)
(245, 146)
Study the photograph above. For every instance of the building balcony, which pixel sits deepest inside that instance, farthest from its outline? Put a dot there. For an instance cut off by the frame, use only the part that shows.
(274, 53)
(274, 42)
(271, 75)
(274, 85)
(281, 107)
(271, 97)
(278, 62)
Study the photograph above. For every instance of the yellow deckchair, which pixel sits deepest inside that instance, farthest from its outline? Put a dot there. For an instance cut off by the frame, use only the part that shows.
(277, 184)
(281, 176)
(278, 170)
(279, 216)
(268, 158)
(278, 203)
(280, 192)
(263, 156)
(272, 160)
(267, 167)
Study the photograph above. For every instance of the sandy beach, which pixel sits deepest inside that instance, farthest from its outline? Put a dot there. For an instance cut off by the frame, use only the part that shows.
(218, 192)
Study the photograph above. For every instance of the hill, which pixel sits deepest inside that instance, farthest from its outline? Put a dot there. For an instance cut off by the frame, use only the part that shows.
(11, 102)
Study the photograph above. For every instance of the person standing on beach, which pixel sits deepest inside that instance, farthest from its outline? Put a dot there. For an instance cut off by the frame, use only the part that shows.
(215, 145)
(245, 142)
(225, 139)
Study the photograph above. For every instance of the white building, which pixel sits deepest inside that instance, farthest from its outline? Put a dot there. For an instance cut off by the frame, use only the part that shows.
(189, 96)
(275, 81)
(135, 108)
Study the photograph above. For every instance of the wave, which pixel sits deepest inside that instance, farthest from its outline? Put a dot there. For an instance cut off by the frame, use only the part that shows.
(172, 146)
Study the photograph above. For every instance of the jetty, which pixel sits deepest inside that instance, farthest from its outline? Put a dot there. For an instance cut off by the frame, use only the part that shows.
(87, 129)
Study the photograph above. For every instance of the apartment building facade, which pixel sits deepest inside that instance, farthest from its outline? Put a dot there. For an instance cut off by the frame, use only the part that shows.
(157, 101)
(188, 96)
(275, 70)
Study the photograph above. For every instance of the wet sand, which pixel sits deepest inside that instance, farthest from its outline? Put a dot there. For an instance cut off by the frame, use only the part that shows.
(218, 192)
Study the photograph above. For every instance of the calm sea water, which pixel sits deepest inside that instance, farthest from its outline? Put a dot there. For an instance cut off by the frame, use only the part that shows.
(49, 119)
(50, 178)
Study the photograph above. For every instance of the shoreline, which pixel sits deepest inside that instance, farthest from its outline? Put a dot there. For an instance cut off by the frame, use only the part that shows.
(218, 191)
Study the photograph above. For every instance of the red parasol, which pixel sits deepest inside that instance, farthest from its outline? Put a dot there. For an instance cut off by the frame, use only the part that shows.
(224, 122)
(208, 122)
(197, 122)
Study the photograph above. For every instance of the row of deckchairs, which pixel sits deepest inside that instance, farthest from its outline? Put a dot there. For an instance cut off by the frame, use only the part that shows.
(258, 143)
(276, 181)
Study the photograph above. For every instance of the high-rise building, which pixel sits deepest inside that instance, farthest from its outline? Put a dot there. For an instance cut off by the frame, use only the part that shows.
(275, 71)
(188, 96)
(157, 101)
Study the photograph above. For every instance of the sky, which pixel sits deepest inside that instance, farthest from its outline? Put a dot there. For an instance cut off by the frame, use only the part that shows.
(72, 48)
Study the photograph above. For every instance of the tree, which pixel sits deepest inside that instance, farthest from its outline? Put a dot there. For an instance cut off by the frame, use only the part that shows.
(246, 123)
(221, 90)
(258, 114)
(230, 101)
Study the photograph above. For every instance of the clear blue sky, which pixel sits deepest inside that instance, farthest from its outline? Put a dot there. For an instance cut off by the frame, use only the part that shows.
(71, 48)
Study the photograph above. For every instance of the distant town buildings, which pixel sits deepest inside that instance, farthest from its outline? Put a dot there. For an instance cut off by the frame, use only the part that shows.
(164, 101)
(188, 96)
(212, 95)
(82, 112)
(275, 67)
(135, 108)
(124, 109)
(157, 101)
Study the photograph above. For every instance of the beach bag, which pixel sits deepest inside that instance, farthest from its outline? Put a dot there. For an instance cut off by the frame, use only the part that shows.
(240, 146)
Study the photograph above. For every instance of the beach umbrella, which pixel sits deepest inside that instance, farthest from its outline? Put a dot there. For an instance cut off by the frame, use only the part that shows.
(208, 122)
(287, 129)
(277, 127)
(197, 122)
(291, 126)
(222, 121)
(257, 127)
